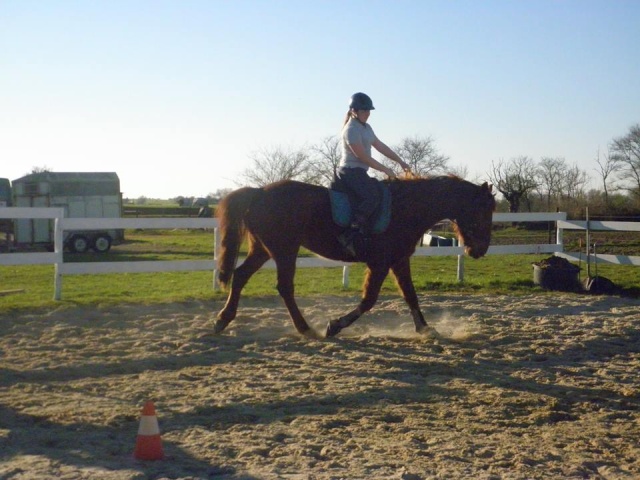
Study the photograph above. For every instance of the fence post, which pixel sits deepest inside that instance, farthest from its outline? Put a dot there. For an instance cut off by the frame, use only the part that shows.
(345, 276)
(58, 248)
(460, 262)
(560, 236)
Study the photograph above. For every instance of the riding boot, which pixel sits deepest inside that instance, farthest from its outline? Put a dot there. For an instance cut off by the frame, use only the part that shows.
(356, 242)
(362, 239)
(347, 240)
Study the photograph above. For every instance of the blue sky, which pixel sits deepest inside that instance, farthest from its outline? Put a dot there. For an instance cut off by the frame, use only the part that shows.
(175, 96)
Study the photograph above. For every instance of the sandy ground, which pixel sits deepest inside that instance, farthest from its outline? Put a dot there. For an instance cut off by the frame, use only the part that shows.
(516, 388)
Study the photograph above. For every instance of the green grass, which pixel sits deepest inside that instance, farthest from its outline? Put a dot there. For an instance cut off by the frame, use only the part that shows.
(493, 274)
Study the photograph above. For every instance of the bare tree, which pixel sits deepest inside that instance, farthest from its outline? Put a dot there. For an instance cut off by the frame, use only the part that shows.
(461, 171)
(272, 165)
(550, 175)
(626, 150)
(608, 166)
(422, 156)
(560, 184)
(574, 182)
(514, 179)
(326, 159)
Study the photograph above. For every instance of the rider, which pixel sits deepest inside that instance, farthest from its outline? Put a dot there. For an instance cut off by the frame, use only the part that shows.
(357, 140)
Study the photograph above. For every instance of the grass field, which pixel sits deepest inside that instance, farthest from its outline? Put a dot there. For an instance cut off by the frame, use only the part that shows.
(23, 287)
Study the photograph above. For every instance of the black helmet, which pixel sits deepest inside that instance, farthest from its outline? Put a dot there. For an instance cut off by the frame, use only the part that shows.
(361, 101)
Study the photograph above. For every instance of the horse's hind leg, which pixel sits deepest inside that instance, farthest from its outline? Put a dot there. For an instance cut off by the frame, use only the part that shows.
(256, 258)
(373, 283)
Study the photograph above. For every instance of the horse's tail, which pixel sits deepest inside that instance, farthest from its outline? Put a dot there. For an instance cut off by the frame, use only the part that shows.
(232, 229)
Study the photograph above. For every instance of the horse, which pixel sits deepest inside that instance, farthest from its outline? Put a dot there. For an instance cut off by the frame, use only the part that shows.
(281, 217)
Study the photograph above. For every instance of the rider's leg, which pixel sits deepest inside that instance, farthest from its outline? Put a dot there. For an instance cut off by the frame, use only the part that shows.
(367, 196)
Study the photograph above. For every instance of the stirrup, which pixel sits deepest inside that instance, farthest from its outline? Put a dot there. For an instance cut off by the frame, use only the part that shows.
(346, 239)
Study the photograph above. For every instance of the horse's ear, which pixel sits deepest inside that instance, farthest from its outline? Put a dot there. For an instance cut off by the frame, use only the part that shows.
(487, 187)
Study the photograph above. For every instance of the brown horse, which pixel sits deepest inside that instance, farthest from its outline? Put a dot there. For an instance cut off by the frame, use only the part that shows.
(281, 217)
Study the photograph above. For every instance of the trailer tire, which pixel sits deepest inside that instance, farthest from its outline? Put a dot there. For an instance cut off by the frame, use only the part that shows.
(101, 243)
(78, 244)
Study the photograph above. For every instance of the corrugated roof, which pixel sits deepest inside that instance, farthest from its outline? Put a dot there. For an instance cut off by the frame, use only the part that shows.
(70, 177)
(72, 183)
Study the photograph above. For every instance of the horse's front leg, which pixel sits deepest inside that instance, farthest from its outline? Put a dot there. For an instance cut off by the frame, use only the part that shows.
(286, 267)
(402, 273)
(372, 284)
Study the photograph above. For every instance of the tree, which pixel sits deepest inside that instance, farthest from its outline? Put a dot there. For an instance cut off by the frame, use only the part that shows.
(607, 167)
(42, 169)
(461, 171)
(272, 165)
(575, 179)
(557, 180)
(626, 150)
(219, 194)
(422, 156)
(550, 175)
(326, 159)
(514, 179)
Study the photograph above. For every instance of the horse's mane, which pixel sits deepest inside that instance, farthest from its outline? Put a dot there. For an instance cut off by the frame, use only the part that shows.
(413, 177)
(413, 181)
(411, 190)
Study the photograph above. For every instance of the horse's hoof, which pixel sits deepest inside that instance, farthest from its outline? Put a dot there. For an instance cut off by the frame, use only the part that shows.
(428, 332)
(219, 326)
(332, 329)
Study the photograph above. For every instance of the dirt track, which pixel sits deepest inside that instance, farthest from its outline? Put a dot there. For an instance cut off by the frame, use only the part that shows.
(519, 387)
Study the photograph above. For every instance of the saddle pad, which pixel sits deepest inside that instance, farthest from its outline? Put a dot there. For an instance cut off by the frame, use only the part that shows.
(341, 210)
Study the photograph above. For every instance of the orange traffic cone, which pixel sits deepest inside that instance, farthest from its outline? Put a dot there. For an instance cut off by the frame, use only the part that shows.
(149, 443)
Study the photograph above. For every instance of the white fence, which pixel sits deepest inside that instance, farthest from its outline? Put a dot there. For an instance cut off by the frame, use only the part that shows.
(601, 227)
(62, 224)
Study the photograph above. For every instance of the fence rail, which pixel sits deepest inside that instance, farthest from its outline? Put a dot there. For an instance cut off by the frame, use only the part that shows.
(62, 224)
(600, 226)
(32, 258)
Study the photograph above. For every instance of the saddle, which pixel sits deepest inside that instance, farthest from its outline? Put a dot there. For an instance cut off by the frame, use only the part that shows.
(342, 212)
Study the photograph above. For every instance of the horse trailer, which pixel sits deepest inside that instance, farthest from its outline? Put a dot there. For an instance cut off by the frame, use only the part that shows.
(81, 195)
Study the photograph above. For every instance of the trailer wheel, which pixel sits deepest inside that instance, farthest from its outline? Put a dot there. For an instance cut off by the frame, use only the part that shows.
(102, 243)
(78, 244)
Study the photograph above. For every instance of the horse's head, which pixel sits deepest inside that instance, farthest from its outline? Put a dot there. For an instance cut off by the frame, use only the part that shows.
(473, 224)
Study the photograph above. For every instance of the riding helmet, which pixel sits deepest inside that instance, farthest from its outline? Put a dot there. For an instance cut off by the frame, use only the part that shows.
(361, 101)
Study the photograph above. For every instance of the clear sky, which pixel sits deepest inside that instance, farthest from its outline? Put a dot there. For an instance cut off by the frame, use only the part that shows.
(175, 96)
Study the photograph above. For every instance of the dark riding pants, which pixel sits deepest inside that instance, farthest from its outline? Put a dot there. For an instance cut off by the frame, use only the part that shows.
(365, 193)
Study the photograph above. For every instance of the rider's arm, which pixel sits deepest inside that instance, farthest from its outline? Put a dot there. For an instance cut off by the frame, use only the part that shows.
(387, 152)
(358, 151)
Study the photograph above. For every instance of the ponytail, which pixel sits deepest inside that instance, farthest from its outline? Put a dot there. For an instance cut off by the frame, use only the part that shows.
(348, 117)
